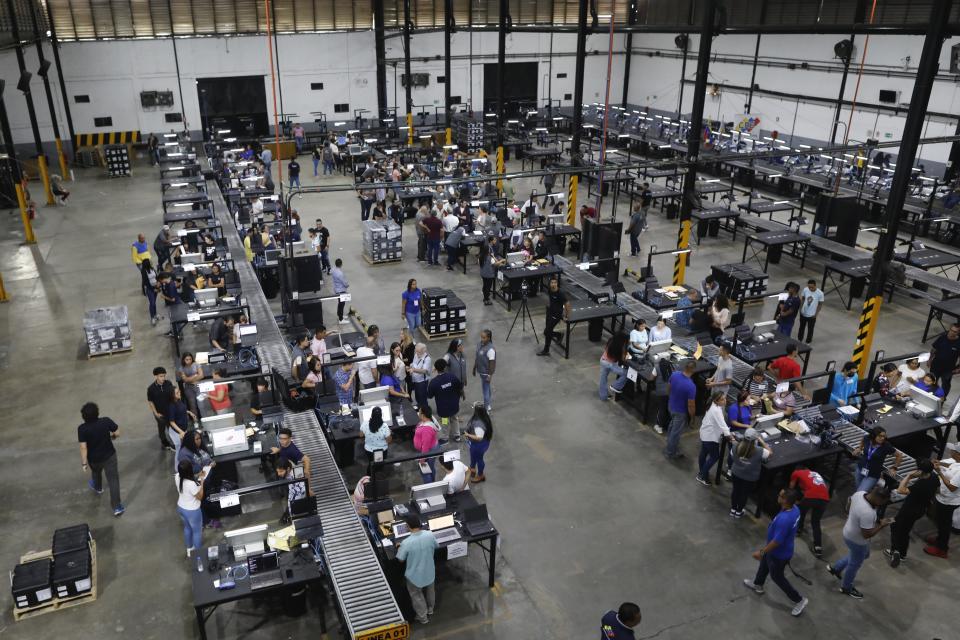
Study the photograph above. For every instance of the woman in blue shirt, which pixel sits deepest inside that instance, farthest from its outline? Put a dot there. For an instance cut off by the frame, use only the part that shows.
(739, 414)
(375, 434)
(844, 386)
(410, 306)
(929, 384)
(387, 379)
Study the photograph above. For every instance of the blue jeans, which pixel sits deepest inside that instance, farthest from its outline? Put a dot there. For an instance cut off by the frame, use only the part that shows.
(634, 244)
(413, 320)
(786, 328)
(432, 463)
(678, 423)
(433, 251)
(294, 180)
(477, 451)
(328, 167)
(850, 564)
(709, 454)
(299, 143)
(316, 164)
(151, 300)
(486, 389)
(605, 369)
(325, 259)
(865, 483)
(192, 527)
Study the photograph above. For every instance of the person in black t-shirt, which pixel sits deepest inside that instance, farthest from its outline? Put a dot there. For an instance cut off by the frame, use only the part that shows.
(619, 624)
(919, 494)
(96, 436)
(289, 451)
(944, 357)
(293, 170)
(221, 331)
(159, 395)
(558, 307)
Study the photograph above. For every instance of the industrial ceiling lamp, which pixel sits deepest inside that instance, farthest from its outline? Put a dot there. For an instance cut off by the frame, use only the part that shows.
(24, 82)
(843, 50)
(682, 41)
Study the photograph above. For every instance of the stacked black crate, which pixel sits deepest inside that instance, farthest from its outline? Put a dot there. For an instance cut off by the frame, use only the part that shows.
(739, 281)
(117, 157)
(107, 330)
(72, 561)
(444, 314)
(382, 241)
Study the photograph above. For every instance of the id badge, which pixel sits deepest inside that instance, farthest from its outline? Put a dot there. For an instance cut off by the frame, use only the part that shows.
(863, 472)
(444, 421)
(416, 303)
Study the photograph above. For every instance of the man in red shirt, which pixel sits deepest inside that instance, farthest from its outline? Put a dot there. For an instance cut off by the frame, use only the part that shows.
(787, 367)
(433, 227)
(816, 496)
(587, 212)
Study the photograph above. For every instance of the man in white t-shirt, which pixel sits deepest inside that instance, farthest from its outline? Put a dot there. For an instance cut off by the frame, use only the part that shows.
(811, 300)
(367, 369)
(861, 525)
(450, 221)
(457, 477)
(948, 499)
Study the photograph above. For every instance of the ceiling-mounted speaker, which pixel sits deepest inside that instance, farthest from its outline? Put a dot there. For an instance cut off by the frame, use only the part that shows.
(24, 82)
(682, 41)
(843, 50)
(44, 68)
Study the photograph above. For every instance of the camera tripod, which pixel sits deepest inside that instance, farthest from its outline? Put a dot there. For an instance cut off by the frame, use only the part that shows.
(524, 313)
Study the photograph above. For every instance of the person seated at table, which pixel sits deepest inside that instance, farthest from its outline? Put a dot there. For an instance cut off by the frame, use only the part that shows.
(388, 379)
(215, 279)
(929, 384)
(871, 454)
(209, 247)
(660, 331)
(911, 371)
(527, 250)
(887, 383)
(375, 434)
(221, 333)
(719, 316)
(542, 251)
(260, 387)
(844, 386)
(639, 338)
(685, 306)
(739, 413)
(758, 387)
(219, 397)
(295, 490)
(783, 402)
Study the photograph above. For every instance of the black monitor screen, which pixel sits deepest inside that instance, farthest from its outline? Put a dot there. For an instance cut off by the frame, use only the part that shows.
(262, 562)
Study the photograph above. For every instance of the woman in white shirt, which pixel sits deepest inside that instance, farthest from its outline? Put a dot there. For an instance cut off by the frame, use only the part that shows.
(660, 332)
(639, 338)
(712, 429)
(912, 372)
(419, 369)
(719, 315)
(190, 490)
(375, 434)
(397, 364)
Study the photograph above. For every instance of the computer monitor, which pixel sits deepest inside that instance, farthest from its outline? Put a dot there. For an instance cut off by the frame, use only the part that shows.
(374, 395)
(223, 421)
(191, 258)
(425, 491)
(768, 423)
(206, 297)
(229, 440)
(263, 562)
(271, 256)
(248, 335)
(659, 346)
(925, 400)
(760, 327)
(385, 412)
(247, 541)
(515, 257)
(476, 514)
(440, 522)
(301, 248)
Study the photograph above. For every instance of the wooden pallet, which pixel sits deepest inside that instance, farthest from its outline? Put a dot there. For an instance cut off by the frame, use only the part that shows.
(59, 603)
(374, 263)
(90, 356)
(441, 336)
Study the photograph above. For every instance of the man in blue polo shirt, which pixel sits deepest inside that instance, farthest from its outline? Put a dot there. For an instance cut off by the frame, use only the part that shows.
(682, 402)
(775, 555)
(619, 624)
(289, 451)
(446, 390)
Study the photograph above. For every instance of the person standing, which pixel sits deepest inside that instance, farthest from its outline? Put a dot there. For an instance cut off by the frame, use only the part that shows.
(638, 221)
(324, 235)
(816, 496)
(746, 464)
(457, 363)
(479, 433)
(682, 403)
(613, 360)
(410, 305)
(97, 453)
(426, 439)
(446, 390)
(266, 157)
(722, 376)
(871, 454)
(619, 624)
(787, 367)
(149, 283)
(944, 356)
(153, 149)
(159, 395)
(558, 308)
(948, 499)
(189, 503)
(421, 215)
(293, 169)
(416, 552)
(920, 486)
(340, 287)
(646, 198)
(787, 310)
(299, 135)
(179, 419)
(861, 525)
(776, 554)
(139, 250)
(811, 303)
(484, 365)
(330, 152)
(713, 429)
(489, 262)
(419, 371)
(432, 226)
(317, 155)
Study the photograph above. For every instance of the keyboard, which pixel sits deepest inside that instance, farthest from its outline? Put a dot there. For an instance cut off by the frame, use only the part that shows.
(264, 580)
(447, 535)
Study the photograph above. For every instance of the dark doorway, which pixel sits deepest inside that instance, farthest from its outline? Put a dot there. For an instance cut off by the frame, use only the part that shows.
(238, 103)
(519, 87)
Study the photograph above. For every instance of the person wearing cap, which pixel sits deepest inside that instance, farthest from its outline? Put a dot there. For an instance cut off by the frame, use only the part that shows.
(748, 457)
(619, 624)
(920, 486)
(861, 525)
(844, 386)
(776, 554)
(948, 499)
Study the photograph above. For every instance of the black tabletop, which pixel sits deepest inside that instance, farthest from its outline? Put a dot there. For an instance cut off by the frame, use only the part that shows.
(267, 439)
(582, 310)
(753, 353)
(295, 568)
(182, 214)
(348, 427)
(898, 421)
(779, 237)
(761, 206)
(179, 312)
(716, 213)
(852, 268)
(949, 306)
(928, 258)
(524, 272)
(789, 450)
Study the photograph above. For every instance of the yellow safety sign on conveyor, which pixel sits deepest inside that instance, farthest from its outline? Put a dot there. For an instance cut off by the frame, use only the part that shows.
(395, 631)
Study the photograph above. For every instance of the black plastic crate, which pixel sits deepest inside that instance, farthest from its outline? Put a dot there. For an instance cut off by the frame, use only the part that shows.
(31, 583)
(435, 297)
(71, 574)
(69, 539)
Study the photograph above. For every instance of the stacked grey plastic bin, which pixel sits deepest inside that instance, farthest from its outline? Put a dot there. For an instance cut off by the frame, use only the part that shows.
(107, 330)
(382, 241)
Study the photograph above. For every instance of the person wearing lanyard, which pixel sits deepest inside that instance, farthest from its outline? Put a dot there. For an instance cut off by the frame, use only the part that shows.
(419, 370)
(712, 430)
(739, 413)
(944, 356)
(484, 365)
(489, 261)
(722, 376)
(558, 308)
(410, 310)
(871, 453)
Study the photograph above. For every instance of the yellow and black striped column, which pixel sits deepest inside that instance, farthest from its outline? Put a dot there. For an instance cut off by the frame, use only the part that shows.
(500, 169)
(572, 199)
(869, 318)
(680, 264)
(409, 129)
(449, 138)
(64, 172)
(3, 291)
(24, 216)
(45, 177)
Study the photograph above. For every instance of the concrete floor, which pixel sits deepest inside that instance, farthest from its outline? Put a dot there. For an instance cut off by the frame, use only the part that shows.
(589, 511)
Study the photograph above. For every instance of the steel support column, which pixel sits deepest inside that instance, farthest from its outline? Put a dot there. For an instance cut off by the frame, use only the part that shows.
(380, 46)
(756, 56)
(44, 73)
(15, 173)
(55, 45)
(406, 70)
(576, 158)
(628, 51)
(912, 131)
(501, 80)
(176, 64)
(689, 198)
(448, 25)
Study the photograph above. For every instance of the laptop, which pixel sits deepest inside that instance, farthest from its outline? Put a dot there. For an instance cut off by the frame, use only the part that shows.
(400, 530)
(476, 521)
(263, 569)
(440, 522)
(446, 535)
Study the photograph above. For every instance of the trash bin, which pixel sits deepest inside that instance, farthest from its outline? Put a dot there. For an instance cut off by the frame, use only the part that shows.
(295, 602)
(595, 330)
(714, 228)
(774, 252)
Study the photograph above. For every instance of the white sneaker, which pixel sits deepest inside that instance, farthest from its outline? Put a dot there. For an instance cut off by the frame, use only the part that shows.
(800, 606)
(189, 552)
(658, 429)
(344, 321)
(750, 584)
